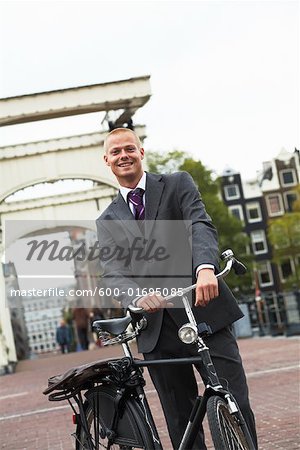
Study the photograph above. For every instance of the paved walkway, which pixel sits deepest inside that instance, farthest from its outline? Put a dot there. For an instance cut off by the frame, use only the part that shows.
(28, 421)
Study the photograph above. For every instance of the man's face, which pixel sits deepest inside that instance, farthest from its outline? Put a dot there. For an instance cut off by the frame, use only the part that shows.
(124, 157)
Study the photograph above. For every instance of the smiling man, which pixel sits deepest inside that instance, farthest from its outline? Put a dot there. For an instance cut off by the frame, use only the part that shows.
(124, 155)
(147, 197)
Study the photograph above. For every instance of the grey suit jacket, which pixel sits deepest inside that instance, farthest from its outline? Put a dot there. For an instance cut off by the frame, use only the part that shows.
(168, 198)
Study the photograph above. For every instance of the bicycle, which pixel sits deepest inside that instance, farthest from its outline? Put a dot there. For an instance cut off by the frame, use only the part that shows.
(112, 408)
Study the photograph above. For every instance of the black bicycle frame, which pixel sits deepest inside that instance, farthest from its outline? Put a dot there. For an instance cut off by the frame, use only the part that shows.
(213, 387)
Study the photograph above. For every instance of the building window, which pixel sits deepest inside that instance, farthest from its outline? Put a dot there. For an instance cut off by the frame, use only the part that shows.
(286, 269)
(288, 177)
(232, 192)
(265, 274)
(237, 211)
(253, 212)
(274, 204)
(289, 199)
(259, 243)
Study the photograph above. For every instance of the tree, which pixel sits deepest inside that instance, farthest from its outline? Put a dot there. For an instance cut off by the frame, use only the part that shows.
(284, 236)
(230, 229)
(165, 162)
(296, 203)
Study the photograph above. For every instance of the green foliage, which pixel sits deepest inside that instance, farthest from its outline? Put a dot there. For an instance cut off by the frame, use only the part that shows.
(230, 229)
(201, 175)
(284, 236)
(165, 162)
(296, 204)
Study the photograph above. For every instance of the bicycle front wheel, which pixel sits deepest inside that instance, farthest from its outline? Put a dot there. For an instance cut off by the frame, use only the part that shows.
(129, 432)
(226, 430)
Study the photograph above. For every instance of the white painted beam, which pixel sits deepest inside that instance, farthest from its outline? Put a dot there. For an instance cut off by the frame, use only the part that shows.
(128, 95)
(76, 157)
(60, 144)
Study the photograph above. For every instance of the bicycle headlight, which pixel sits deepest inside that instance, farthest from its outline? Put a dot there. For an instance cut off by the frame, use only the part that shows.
(188, 333)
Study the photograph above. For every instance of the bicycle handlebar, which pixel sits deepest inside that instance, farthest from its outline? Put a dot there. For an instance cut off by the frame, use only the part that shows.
(231, 263)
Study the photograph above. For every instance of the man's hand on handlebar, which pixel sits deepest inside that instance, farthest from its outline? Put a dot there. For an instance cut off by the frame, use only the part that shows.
(152, 303)
(207, 287)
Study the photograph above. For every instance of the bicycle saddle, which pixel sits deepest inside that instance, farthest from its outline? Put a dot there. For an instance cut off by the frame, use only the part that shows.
(112, 326)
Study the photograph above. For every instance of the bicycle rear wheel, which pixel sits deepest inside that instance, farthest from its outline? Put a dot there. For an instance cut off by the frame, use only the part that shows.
(225, 428)
(132, 430)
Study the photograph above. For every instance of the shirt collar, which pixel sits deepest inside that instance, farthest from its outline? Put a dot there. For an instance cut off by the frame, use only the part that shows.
(141, 184)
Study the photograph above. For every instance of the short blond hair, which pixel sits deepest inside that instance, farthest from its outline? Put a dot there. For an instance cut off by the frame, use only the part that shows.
(119, 131)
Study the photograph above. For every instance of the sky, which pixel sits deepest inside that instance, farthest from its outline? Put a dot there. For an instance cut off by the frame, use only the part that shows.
(224, 74)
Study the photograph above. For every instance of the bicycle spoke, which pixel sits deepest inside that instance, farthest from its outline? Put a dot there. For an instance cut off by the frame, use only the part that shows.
(225, 428)
(231, 430)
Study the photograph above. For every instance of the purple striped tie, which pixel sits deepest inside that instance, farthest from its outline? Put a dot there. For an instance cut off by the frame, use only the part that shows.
(136, 199)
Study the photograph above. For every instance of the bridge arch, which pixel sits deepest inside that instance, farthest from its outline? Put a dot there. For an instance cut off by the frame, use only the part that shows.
(73, 157)
(101, 180)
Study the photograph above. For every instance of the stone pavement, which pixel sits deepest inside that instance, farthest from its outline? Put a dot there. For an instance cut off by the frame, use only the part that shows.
(28, 421)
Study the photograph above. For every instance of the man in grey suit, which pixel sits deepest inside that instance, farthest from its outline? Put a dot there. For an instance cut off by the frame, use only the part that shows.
(163, 198)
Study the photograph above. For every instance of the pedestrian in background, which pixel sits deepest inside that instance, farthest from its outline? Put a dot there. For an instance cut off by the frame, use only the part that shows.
(96, 314)
(81, 317)
(63, 336)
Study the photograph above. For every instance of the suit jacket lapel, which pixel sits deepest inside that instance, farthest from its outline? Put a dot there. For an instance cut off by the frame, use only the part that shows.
(154, 189)
(123, 213)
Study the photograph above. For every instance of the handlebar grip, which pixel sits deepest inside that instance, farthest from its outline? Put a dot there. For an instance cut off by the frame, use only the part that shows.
(238, 267)
(135, 309)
